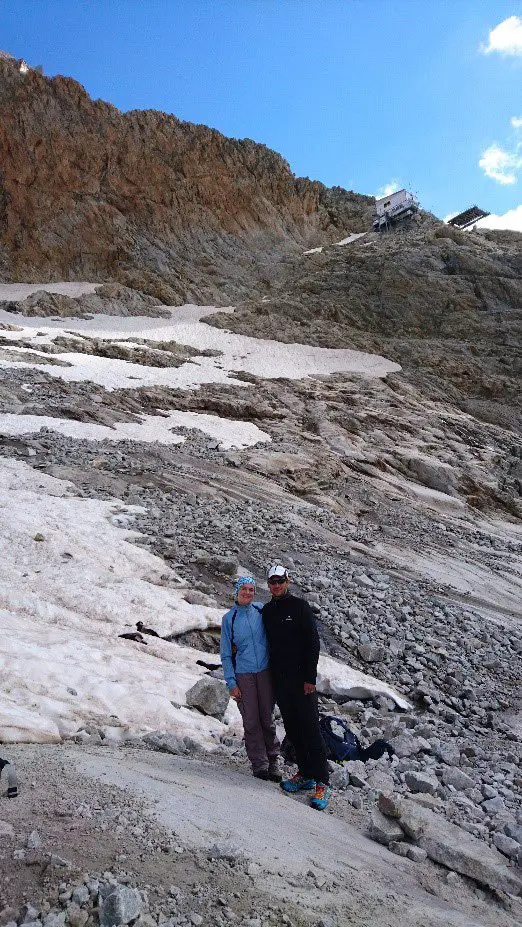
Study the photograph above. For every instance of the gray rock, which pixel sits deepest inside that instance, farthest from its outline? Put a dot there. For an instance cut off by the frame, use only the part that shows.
(34, 841)
(27, 914)
(390, 805)
(57, 862)
(226, 851)
(357, 772)
(339, 777)
(506, 845)
(76, 916)
(209, 696)
(370, 652)
(493, 805)
(417, 854)
(6, 829)
(448, 754)
(121, 906)
(457, 778)
(514, 831)
(407, 745)
(384, 830)
(81, 895)
(412, 819)
(167, 743)
(458, 850)
(399, 848)
(421, 782)
(55, 919)
(380, 781)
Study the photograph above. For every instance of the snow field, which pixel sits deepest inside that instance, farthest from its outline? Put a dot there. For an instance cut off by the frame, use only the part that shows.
(238, 353)
(70, 583)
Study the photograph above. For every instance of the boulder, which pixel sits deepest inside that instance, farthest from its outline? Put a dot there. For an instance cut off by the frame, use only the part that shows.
(209, 696)
(167, 743)
(390, 805)
(448, 754)
(380, 781)
(408, 745)
(370, 652)
(421, 782)
(384, 830)
(507, 845)
(121, 906)
(457, 778)
(455, 848)
(357, 772)
(493, 805)
(412, 819)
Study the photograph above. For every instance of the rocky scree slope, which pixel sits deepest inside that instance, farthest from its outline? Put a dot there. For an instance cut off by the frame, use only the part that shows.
(445, 305)
(170, 208)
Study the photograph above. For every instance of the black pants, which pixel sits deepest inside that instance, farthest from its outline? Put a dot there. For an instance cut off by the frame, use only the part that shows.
(300, 715)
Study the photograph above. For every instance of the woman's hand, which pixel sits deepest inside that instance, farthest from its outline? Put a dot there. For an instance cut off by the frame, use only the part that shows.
(235, 693)
(309, 688)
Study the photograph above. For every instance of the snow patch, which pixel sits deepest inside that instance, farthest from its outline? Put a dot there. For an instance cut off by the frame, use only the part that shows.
(348, 240)
(236, 353)
(334, 678)
(229, 433)
(71, 583)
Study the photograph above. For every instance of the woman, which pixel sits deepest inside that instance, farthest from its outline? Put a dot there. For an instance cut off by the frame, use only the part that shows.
(244, 655)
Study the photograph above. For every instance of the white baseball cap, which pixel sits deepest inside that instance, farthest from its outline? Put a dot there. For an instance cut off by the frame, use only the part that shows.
(277, 569)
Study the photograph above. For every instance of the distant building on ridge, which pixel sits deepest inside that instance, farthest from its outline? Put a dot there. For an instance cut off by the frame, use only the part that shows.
(389, 210)
(23, 67)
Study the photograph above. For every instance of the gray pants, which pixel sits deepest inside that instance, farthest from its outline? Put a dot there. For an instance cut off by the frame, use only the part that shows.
(257, 707)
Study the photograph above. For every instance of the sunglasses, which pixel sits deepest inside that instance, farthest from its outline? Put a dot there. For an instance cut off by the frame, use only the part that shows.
(277, 580)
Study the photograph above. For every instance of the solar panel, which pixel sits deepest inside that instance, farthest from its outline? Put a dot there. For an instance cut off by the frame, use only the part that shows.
(468, 217)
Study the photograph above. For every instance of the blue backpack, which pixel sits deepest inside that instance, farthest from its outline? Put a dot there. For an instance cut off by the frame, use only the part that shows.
(341, 743)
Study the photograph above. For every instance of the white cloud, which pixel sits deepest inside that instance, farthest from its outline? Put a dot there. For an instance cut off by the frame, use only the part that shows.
(516, 122)
(506, 38)
(388, 189)
(512, 219)
(501, 165)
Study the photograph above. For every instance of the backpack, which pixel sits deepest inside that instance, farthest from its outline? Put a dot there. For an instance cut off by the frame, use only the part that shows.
(341, 746)
(341, 743)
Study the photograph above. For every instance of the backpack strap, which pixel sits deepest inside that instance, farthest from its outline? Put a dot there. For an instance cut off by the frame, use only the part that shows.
(233, 646)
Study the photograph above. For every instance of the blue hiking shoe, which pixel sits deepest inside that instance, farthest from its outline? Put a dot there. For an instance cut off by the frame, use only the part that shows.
(297, 783)
(321, 796)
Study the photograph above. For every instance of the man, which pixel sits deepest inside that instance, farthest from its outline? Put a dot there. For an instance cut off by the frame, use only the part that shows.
(294, 652)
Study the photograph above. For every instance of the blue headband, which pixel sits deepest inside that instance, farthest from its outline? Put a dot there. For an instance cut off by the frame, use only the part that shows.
(242, 581)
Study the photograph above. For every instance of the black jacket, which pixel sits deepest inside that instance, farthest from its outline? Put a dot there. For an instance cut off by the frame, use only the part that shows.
(292, 639)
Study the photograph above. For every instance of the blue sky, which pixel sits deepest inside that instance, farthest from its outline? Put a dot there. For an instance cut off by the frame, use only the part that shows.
(360, 93)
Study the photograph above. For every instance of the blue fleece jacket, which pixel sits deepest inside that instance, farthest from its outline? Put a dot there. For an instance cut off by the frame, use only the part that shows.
(249, 638)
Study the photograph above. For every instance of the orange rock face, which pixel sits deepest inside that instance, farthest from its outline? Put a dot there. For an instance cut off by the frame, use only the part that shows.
(175, 209)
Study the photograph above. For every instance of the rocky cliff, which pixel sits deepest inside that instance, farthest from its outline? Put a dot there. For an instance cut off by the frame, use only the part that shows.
(174, 209)
(445, 305)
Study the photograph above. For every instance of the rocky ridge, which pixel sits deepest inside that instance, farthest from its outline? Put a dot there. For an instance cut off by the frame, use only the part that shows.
(170, 208)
